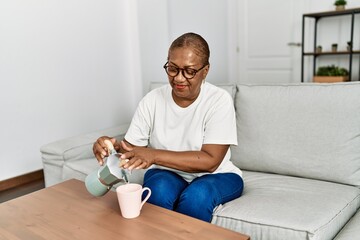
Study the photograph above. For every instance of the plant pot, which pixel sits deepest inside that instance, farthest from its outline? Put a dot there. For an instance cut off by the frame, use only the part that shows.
(340, 7)
(318, 50)
(348, 46)
(330, 79)
(334, 48)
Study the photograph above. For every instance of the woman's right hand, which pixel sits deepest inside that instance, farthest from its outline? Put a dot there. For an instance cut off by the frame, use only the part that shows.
(100, 149)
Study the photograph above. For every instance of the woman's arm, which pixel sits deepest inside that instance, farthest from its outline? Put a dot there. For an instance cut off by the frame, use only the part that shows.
(207, 159)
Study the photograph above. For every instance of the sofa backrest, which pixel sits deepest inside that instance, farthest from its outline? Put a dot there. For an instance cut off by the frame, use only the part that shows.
(307, 130)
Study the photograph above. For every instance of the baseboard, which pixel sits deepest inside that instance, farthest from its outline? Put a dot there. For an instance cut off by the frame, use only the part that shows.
(23, 179)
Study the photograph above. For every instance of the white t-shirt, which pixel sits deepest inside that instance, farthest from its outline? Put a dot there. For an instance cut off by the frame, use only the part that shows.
(161, 124)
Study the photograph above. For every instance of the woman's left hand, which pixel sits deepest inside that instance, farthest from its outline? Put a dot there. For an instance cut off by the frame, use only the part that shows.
(139, 157)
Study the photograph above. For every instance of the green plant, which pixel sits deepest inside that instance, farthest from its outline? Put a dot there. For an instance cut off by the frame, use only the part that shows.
(332, 71)
(340, 2)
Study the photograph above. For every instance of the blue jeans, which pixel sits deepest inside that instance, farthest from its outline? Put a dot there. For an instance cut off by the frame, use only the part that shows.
(196, 199)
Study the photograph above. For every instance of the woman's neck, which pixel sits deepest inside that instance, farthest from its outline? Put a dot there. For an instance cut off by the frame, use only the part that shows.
(184, 102)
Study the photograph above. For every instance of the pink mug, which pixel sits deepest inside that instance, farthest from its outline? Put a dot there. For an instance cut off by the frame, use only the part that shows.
(129, 197)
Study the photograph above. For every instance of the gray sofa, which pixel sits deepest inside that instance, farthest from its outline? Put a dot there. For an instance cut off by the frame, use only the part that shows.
(299, 149)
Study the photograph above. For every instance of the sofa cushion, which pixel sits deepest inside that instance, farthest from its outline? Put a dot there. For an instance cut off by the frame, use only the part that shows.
(308, 130)
(351, 230)
(285, 207)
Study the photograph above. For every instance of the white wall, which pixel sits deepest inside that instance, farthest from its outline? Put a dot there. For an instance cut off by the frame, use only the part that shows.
(154, 40)
(66, 68)
(161, 21)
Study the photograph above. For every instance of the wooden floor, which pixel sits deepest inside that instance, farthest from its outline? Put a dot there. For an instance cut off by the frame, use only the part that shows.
(21, 190)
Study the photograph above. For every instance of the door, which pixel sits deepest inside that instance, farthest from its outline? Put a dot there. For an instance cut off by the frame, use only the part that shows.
(269, 48)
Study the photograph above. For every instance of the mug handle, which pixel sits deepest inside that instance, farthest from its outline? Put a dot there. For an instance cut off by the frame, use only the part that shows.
(147, 196)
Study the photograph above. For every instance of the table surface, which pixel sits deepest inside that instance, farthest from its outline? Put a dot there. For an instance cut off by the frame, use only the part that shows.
(68, 211)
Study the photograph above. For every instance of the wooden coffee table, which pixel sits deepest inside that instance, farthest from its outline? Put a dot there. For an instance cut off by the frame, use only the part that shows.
(68, 211)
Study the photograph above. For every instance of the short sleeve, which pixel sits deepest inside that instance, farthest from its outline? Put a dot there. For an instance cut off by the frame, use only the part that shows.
(220, 123)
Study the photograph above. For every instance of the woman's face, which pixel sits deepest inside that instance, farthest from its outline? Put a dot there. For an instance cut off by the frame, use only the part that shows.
(185, 91)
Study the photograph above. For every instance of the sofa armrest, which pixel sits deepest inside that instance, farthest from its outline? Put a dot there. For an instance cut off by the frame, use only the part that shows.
(55, 154)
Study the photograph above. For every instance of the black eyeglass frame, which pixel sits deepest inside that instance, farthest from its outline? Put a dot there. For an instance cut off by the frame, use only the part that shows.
(166, 65)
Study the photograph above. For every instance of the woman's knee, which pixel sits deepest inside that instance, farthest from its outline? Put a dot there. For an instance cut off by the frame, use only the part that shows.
(165, 186)
(205, 193)
(199, 192)
(198, 201)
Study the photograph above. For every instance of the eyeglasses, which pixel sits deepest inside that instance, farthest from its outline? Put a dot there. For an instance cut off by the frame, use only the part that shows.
(188, 73)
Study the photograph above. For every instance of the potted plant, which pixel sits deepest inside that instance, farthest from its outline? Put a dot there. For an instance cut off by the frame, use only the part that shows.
(334, 47)
(340, 4)
(348, 46)
(332, 73)
(319, 49)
